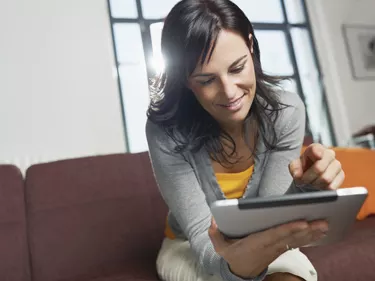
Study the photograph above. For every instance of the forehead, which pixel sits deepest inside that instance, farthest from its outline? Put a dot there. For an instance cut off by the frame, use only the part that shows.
(229, 47)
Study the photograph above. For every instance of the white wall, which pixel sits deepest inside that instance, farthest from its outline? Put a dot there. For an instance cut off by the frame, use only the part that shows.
(351, 101)
(58, 95)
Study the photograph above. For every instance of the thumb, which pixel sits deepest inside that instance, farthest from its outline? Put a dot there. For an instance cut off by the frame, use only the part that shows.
(217, 238)
(296, 168)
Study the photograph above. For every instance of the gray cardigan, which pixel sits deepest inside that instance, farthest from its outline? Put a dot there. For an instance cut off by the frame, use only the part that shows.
(188, 184)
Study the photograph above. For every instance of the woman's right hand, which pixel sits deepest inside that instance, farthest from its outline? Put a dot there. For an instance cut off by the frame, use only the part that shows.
(248, 257)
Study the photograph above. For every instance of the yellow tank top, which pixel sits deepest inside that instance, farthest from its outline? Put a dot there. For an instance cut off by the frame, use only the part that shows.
(233, 186)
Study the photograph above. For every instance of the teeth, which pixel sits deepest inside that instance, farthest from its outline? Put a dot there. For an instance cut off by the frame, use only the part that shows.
(234, 103)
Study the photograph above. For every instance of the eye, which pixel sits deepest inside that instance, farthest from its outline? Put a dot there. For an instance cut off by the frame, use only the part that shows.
(207, 82)
(238, 69)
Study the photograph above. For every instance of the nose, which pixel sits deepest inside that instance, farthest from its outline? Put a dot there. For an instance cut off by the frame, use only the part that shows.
(228, 87)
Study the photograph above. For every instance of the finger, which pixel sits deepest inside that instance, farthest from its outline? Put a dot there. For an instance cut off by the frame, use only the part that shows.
(296, 240)
(217, 238)
(319, 167)
(321, 225)
(329, 175)
(313, 236)
(314, 152)
(302, 239)
(338, 181)
(316, 230)
(296, 168)
(273, 235)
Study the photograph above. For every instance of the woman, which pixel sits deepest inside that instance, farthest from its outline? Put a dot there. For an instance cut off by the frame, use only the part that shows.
(220, 128)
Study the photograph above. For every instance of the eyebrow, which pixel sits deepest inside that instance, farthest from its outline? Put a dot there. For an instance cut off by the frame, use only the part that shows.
(211, 74)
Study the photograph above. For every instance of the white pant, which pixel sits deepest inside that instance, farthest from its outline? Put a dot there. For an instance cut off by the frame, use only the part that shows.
(176, 262)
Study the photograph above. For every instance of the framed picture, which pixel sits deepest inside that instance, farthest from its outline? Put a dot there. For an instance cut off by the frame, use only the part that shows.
(360, 44)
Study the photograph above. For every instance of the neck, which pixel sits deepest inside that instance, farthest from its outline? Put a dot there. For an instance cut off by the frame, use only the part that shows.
(236, 131)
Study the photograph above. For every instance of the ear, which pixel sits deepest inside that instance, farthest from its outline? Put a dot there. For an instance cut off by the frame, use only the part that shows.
(251, 43)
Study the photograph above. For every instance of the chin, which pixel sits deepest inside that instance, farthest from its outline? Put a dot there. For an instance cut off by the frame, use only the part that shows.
(243, 112)
(239, 116)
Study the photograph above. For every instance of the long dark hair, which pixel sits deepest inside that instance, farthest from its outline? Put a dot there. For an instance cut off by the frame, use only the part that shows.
(188, 38)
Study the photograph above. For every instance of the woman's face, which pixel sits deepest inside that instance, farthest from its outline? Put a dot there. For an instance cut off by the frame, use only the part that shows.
(225, 87)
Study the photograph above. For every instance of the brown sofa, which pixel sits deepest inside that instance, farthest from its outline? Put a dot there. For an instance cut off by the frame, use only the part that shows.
(102, 219)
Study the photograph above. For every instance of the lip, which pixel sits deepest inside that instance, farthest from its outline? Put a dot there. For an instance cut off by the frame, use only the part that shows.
(235, 105)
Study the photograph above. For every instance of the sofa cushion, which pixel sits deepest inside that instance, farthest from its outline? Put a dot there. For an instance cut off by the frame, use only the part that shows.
(350, 259)
(14, 255)
(89, 217)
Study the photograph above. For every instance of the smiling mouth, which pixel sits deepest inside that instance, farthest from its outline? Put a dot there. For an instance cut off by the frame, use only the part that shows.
(234, 103)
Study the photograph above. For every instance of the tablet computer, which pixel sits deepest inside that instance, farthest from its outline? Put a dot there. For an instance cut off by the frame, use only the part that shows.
(237, 218)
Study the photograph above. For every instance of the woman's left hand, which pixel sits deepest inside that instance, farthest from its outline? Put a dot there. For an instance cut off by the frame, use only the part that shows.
(317, 167)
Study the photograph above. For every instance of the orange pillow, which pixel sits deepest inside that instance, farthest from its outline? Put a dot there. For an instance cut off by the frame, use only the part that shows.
(359, 167)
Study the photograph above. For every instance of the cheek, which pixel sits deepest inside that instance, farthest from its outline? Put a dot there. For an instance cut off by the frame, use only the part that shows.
(205, 96)
(249, 76)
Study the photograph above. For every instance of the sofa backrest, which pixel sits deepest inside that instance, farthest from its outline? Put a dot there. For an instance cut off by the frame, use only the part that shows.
(92, 216)
(14, 256)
